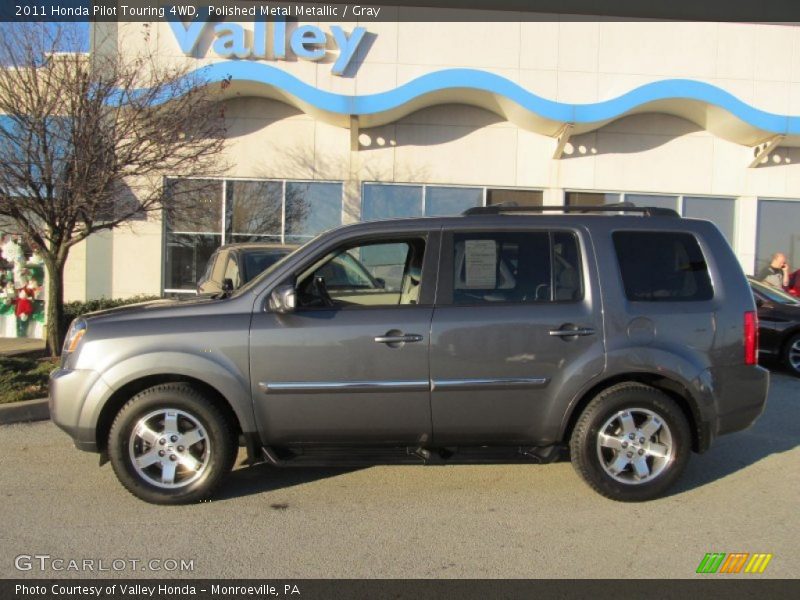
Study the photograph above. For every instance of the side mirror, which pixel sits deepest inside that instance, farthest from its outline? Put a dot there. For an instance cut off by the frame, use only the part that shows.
(381, 282)
(283, 299)
(227, 285)
(759, 302)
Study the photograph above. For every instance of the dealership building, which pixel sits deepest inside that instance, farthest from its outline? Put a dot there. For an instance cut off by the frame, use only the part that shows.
(335, 122)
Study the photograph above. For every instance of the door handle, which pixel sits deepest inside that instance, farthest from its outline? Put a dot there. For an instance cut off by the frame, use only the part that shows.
(398, 339)
(578, 331)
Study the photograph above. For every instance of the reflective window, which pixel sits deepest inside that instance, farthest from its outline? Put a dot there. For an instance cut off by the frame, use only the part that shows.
(720, 211)
(654, 200)
(194, 205)
(590, 198)
(514, 197)
(277, 212)
(778, 231)
(311, 208)
(186, 258)
(254, 210)
(390, 201)
(445, 201)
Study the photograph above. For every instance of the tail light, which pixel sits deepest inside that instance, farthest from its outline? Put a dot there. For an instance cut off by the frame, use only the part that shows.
(750, 338)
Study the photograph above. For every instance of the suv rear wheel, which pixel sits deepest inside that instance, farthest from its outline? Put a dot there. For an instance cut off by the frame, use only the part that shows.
(170, 445)
(631, 443)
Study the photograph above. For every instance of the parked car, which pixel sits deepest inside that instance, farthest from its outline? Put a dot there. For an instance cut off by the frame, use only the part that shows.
(778, 324)
(627, 334)
(233, 265)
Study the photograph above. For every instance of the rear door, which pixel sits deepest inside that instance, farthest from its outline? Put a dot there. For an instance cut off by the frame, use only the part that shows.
(517, 323)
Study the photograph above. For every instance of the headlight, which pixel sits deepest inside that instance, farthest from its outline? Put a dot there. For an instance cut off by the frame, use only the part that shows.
(75, 334)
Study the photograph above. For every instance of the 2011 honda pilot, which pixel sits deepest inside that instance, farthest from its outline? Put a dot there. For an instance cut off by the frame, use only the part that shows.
(627, 334)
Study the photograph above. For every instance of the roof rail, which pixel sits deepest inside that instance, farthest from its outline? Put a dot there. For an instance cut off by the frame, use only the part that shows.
(621, 207)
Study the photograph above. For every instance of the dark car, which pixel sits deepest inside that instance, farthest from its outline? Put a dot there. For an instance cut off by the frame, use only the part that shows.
(778, 324)
(239, 263)
(626, 333)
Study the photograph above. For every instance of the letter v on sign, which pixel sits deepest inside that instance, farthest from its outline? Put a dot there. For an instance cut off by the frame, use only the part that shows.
(188, 37)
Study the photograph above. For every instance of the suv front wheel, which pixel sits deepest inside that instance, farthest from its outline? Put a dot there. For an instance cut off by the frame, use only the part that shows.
(170, 445)
(631, 443)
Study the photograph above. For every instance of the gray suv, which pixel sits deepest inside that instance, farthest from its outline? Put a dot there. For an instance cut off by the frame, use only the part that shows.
(627, 334)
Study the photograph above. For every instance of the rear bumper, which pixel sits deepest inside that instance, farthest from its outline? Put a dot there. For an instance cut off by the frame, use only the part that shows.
(68, 392)
(740, 395)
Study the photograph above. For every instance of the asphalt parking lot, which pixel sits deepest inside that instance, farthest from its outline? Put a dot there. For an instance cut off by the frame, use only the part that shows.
(514, 521)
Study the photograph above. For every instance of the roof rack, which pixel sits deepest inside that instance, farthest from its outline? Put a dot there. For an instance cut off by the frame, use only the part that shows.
(621, 207)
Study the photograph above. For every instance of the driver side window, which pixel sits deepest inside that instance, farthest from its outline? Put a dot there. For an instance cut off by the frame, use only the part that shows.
(368, 274)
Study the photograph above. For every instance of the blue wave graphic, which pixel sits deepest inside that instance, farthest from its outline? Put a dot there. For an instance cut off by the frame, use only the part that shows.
(501, 88)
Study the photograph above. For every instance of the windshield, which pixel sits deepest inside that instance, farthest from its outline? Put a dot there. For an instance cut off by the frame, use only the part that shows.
(773, 294)
(254, 281)
(256, 262)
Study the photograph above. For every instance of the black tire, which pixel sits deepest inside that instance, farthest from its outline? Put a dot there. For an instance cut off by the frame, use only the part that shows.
(198, 469)
(662, 456)
(790, 356)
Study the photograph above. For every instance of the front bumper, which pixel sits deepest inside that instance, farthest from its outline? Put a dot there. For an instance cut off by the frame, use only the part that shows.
(69, 390)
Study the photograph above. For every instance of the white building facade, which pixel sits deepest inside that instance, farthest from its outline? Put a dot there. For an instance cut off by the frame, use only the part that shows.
(391, 118)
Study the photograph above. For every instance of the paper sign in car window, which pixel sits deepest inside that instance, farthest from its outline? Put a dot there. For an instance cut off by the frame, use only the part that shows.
(481, 264)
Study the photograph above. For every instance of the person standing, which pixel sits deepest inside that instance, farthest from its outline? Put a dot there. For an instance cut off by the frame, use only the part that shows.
(776, 273)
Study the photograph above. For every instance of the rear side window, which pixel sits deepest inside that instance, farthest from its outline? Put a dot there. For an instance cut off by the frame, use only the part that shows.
(658, 266)
(515, 267)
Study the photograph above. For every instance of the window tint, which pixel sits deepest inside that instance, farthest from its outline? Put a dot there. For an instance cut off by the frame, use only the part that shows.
(662, 266)
(382, 274)
(522, 267)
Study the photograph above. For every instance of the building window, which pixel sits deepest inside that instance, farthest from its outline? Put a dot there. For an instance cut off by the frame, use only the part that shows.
(656, 201)
(311, 208)
(514, 197)
(379, 201)
(720, 211)
(254, 211)
(390, 200)
(194, 229)
(289, 212)
(778, 232)
(590, 198)
(444, 201)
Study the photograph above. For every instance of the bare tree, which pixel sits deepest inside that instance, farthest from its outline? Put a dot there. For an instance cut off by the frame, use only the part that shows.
(85, 142)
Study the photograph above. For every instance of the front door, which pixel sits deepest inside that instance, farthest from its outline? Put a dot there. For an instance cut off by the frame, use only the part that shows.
(516, 324)
(350, 364)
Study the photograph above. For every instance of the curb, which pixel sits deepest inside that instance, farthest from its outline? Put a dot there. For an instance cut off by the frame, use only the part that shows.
(22, 412)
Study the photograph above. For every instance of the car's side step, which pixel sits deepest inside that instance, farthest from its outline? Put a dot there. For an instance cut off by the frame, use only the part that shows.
(367, 456)
(340, 457)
